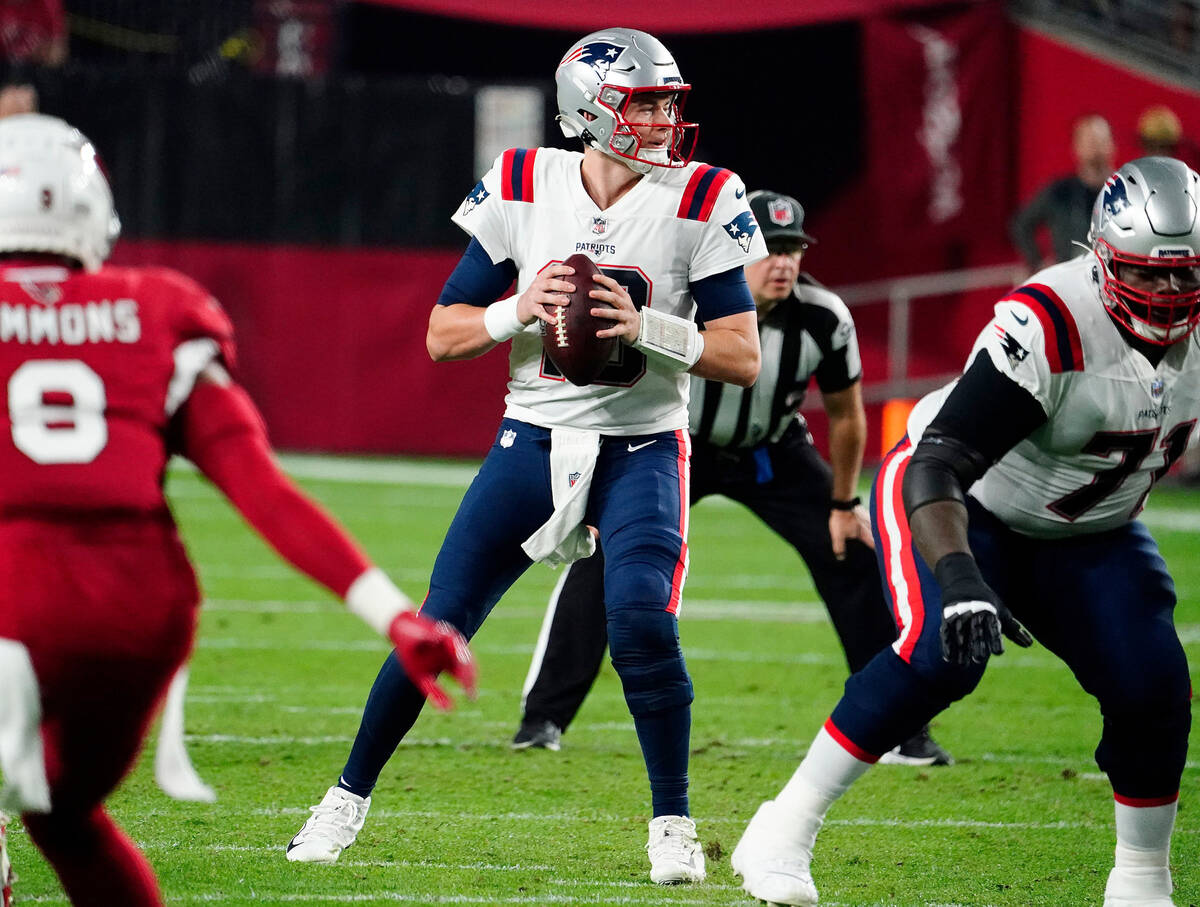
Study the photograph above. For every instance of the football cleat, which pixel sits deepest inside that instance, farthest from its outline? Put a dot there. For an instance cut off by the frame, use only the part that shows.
(919, 749)
(773, 867)
(675, 853)
(6, 873)
(334, 824)
(1138, 886)
(537, 734)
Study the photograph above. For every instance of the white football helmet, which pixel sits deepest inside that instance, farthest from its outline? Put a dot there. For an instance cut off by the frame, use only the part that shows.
(600, 75)
(54, 196)
(1145, 233)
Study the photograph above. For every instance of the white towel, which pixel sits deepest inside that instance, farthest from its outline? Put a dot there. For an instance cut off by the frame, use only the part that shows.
(22, 761)
(564, 538)
(173, 770)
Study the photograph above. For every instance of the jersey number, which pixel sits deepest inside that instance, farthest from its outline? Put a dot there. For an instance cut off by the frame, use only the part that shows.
(57, 411)
(627, 365)
(1132, 447)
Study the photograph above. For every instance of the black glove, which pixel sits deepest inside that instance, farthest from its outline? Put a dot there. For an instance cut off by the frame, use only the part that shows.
(973, 617)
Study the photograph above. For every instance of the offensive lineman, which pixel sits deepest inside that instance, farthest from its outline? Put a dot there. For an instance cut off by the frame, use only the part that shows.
(107, 372)
(1014, 497)
(671, 237)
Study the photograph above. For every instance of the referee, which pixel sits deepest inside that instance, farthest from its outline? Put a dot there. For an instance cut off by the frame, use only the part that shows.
(751, 445)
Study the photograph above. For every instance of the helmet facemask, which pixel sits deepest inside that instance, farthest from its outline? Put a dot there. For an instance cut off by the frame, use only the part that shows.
(628, 143)
(1158, 299)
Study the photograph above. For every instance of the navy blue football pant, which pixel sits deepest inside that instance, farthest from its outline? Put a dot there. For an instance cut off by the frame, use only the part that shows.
(1102, 602)
(638, 502)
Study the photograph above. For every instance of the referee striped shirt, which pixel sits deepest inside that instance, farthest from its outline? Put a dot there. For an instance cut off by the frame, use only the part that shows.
(808, 335)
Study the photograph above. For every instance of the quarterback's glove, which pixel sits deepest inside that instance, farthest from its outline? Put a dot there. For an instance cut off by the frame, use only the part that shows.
(973, 617)
(425, 648)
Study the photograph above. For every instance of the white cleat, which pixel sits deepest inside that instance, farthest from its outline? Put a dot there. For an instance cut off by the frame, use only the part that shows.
(334, 824)
(1130, 886)
(675, 853)
(6, 873)
(774, 868)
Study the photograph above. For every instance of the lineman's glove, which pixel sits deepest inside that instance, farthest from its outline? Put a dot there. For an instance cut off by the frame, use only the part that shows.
(425, 648)
(973, 617)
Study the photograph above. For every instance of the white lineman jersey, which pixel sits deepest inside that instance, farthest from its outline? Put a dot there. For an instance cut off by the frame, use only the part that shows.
(674, 227)
(1115, 423)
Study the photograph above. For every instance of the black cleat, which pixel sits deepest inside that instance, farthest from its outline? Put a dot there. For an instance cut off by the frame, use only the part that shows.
(543, 734)
(919, 749)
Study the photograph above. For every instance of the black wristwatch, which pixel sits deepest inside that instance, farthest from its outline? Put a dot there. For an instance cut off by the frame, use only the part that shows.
(835, 504)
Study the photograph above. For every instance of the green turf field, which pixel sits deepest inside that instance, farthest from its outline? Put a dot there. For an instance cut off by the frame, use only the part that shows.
(280, 675)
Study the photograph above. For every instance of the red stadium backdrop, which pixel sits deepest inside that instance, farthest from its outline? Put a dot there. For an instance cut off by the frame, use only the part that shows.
(334, 340)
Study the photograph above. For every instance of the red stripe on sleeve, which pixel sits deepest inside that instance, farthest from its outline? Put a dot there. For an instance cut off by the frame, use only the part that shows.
(849, 745)
(1072, 328)
(527, 176)
(506, 184)
(714, 189)
(685, 203)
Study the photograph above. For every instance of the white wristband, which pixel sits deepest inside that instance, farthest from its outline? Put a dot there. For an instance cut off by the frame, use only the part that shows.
(673, 341)
(375, 599)
(501, 321)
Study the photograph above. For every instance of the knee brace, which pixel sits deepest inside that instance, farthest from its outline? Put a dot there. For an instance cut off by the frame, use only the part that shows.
(644, 644)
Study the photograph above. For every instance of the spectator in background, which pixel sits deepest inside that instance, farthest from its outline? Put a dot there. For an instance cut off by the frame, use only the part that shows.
(33, 32)
(753, 446)
(1064, 206)
(1159, 131)
(18, 97)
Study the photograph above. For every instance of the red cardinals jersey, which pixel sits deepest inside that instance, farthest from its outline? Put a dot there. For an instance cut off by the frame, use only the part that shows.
(92, 367)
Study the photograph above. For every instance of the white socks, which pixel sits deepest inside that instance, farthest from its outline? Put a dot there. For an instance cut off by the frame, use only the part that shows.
(826, 773)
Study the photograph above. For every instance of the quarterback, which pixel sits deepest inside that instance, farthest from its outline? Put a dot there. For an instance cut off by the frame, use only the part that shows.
(108, 372)
(1011, 504)
(670, 237)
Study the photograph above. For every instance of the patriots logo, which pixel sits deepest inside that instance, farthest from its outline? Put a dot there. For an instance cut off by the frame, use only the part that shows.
(742, 228)
(1012, 349)
(1116, 197)
(600, 55)
(477, 197)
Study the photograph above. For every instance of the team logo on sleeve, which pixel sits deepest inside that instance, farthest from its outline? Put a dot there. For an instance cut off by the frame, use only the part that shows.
(600, 55)
(1012, 349)
(477, 197)
(742, 228)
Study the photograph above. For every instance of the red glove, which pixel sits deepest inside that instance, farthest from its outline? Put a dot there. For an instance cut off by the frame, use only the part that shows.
(425, 648)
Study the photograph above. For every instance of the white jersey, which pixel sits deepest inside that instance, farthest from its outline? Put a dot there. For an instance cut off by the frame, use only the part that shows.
(672, 228)
(1115, 423)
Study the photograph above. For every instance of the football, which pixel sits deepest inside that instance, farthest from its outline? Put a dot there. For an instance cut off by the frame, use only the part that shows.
(572, 344)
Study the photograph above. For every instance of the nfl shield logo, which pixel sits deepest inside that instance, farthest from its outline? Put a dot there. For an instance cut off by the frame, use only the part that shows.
(572, 479)
(506, 439)
(781, 212)
(1156, 388)
(599, 225)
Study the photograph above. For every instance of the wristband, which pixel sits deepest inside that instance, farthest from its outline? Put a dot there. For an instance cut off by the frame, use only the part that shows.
(673, 341)
(501, 321)
(835, 504)
(375, 599)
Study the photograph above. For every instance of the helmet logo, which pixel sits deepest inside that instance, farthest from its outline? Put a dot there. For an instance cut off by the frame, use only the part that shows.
(600, 55)
(781, 212)
(742, 228)
(1116, 198)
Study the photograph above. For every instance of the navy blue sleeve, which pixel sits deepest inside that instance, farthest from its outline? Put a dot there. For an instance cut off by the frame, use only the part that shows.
(722, 294)
(476, 279)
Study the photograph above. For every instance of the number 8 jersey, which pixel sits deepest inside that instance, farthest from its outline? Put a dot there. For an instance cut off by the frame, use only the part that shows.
(93, 366)
(673, 228)
(1115, 422)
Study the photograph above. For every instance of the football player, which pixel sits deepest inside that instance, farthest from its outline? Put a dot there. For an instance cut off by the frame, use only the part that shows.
(1012, 503)
(108, 372)
(671, 237)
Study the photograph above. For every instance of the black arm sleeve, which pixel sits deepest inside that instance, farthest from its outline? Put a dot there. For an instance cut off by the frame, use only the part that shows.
(985, 416)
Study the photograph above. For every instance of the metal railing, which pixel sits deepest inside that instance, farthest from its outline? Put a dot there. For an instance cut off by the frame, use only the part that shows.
(898, 294)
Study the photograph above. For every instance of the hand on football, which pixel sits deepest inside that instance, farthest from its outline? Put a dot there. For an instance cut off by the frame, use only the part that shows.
(547, 289)
(627, 323)
(425, 648)
(974, 620)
